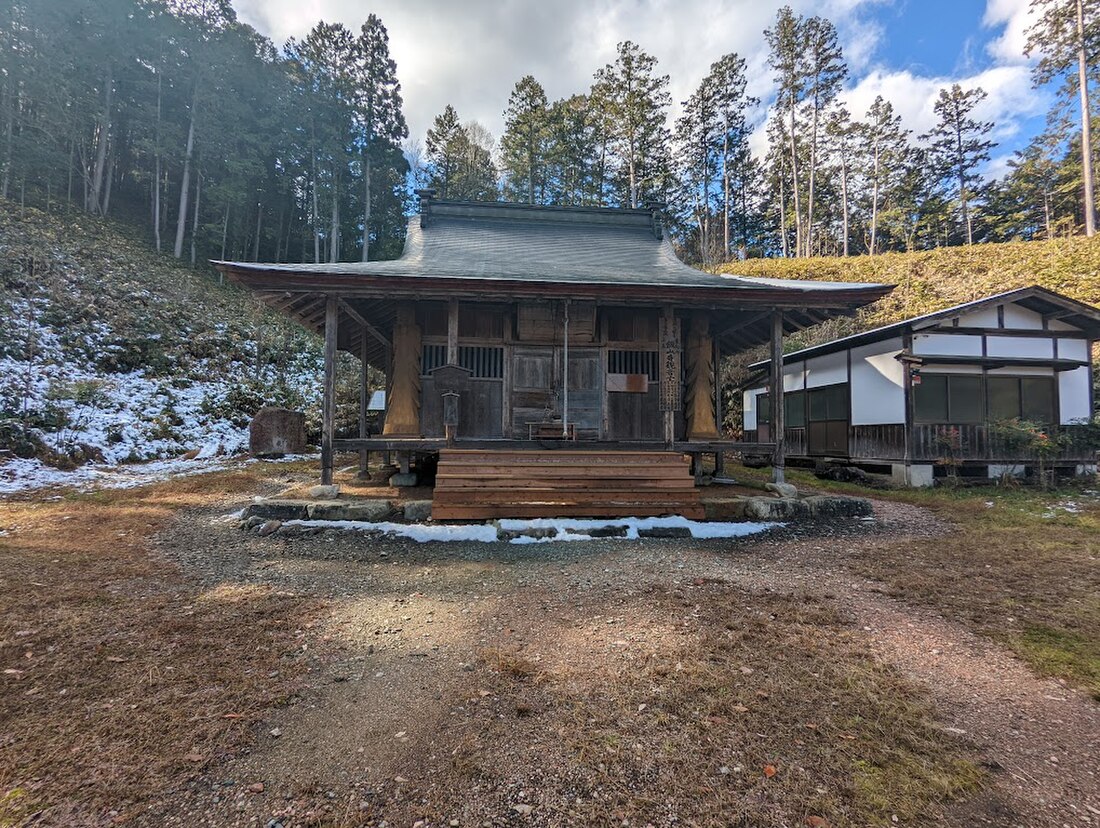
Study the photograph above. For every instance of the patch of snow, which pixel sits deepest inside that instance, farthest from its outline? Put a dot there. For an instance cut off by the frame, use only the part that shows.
(486, 533)
(699, 529)
(419, 532)
(19, 475)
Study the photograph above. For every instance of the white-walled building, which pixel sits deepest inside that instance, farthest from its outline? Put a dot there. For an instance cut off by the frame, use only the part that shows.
(903, 396)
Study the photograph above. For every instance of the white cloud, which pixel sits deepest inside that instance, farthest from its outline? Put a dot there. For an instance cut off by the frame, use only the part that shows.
(470, 54)
(1010, 97)
(1015, 17)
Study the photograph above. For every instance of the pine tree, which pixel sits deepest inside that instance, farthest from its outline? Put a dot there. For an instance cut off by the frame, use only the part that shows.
(787, 39)
(884, 146)
(378, 107)
(460, 159)
(825, 72)
(524, 143)
(636, 100)
(841, 136)
(958, 144)
(1066, 36)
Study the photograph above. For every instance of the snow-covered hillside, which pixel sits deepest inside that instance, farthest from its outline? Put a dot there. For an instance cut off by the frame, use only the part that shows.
(112, 353)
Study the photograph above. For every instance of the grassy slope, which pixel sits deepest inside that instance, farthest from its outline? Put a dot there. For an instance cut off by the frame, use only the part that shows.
(930, 280)
(114, 345)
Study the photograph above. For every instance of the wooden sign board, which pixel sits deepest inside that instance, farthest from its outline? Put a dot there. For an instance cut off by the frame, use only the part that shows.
(670, 364)
(628, 383)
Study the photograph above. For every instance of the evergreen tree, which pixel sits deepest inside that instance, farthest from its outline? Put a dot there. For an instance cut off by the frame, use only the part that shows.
(825, 71)
(884, 146)
(959, 144)
(378, 105)
(460, 160)
(524, 143)
(636, 99)
(787, 40)
(1066, 36)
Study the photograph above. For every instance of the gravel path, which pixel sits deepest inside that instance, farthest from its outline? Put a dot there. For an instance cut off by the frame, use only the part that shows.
(407, 621)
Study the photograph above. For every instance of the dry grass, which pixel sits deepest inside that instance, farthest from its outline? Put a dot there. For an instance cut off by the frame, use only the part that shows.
(120, 678)
(1019, 567)
(767, 713)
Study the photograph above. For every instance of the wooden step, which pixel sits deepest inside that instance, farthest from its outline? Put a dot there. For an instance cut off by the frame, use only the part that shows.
(479, 484)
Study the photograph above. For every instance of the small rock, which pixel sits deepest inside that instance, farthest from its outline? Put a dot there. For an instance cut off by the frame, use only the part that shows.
(256, 787)
(400, 480)
(665, 532)
(325, 492)
(269, 527)
(275, 732)
(417, 510)
(523, 809)
(781, 489)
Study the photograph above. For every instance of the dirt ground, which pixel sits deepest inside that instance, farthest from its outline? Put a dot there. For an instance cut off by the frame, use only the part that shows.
(408, 669)
(162, 667)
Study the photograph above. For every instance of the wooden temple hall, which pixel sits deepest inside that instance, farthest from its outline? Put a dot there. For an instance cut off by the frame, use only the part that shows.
(552, 360)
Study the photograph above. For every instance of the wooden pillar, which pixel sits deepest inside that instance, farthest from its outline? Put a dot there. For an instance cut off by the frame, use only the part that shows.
(403, 405)
(719, 456)
(364, 403)
(452, 332)
(699, 410)
(776, 395)
(328, 407)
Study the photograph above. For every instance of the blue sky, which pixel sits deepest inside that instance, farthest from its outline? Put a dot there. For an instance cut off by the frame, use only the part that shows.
(470, 53)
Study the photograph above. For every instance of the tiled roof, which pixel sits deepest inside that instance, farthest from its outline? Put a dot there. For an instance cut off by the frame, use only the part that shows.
(519, 242)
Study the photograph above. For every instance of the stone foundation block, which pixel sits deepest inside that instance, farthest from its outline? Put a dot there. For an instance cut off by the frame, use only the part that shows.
(277, 509)
(775, 508)
(827, 506)
(418, 510)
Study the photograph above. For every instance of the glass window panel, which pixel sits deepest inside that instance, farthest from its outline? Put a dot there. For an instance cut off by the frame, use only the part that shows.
(1037, 399)
(794, 406)
(819, 404)
(838, 401)
(930, 399)
(965, 399)
(1004, 398)
(763, 408)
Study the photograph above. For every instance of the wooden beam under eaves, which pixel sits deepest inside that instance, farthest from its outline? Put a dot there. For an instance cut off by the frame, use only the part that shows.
(367, 326)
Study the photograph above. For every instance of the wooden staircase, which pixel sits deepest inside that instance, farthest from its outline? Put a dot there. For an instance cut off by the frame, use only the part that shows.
(479, 484)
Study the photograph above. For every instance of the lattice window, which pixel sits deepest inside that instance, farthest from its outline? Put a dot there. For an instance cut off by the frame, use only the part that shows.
(633, 362)
(432, 357)
(484, 362)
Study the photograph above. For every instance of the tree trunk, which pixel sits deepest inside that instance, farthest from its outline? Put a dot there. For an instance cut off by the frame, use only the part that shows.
(963, 199)
(783, 216)
(110, 176)
(101, 143)
(9, 120)
(1086, 123)
(874, 204)
(366, 205)
(726, 194)
(195, 216)
(156, 182)
(844, 201)
(185, 184)
(813, 176)
(794, 189)
(259, 227)
(316, 215)
(334, 234)
(225, 229)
